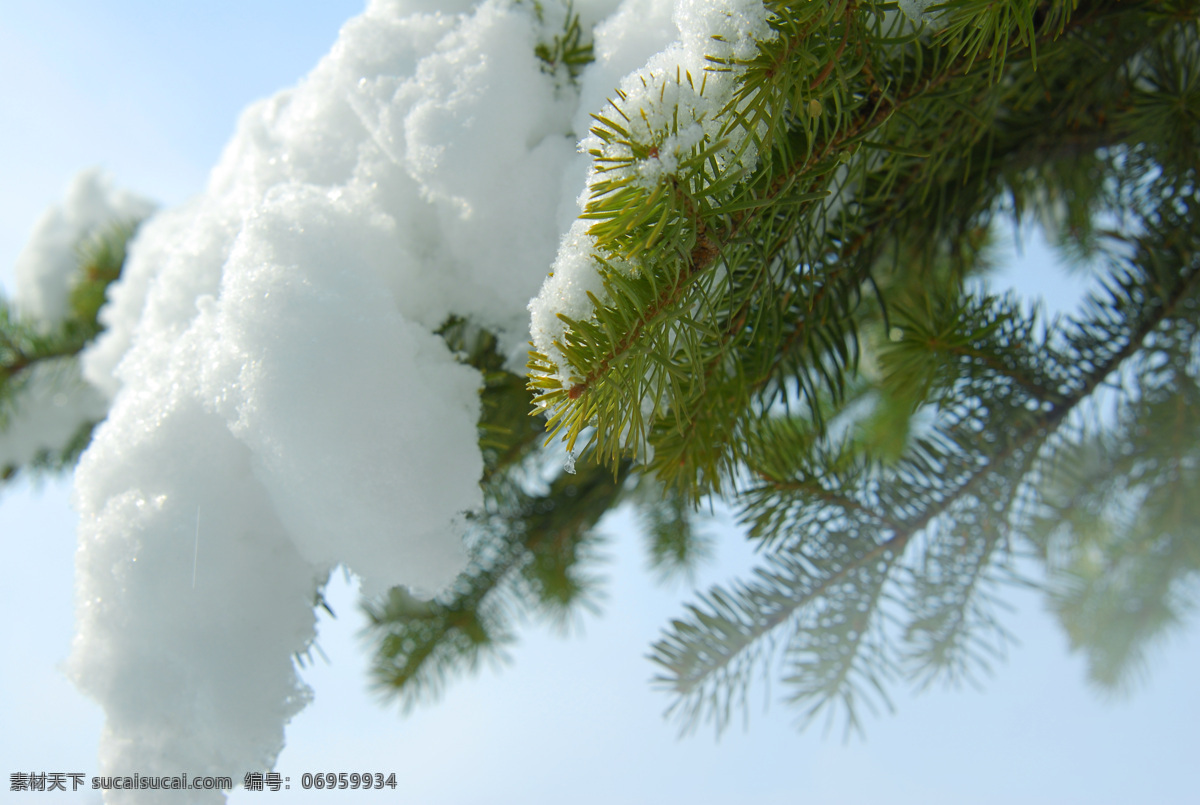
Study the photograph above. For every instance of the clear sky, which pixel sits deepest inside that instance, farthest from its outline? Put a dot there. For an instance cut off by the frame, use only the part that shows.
(150, 91)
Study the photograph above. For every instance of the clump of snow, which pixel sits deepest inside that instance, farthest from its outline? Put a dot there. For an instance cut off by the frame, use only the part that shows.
(280, 403)
(575, 275)
(673, 102)
(278, 400)
(51, 404)
(189, 607)
(46, 268)
(670, 107)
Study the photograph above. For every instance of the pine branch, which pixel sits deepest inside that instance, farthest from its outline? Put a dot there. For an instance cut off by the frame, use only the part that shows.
(849, 537)
(530, 546)
(731, 296)
(677, 296)
(28, 347)
(528, 556)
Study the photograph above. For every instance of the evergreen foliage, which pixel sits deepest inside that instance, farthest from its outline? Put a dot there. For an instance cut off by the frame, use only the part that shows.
(750, 319)
(25, 345)
(528, 546)
(802, 336)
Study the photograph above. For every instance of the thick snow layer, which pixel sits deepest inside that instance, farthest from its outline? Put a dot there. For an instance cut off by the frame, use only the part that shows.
(278, 400)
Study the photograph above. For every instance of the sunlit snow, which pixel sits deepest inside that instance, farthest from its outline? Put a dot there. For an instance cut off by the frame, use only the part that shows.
(52, 402)
(671, 101)
(278, 400)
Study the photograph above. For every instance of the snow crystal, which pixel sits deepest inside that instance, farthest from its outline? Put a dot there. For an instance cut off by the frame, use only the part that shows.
(674, 100)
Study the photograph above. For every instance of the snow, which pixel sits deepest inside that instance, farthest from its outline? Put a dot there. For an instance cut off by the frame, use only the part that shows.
(575, 275)
(51, 403)
(278, 400)
(671, 102)
(918, 10)
(46, 267)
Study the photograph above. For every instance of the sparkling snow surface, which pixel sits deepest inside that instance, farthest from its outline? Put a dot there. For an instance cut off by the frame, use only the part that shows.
(278, 402)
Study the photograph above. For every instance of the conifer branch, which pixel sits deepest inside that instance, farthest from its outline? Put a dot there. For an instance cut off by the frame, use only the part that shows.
(704, 655)
(28, 347)
(637, 327)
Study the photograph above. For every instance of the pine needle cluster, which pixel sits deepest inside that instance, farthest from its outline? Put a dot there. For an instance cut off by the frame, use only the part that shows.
(802, 339)
(792, 321)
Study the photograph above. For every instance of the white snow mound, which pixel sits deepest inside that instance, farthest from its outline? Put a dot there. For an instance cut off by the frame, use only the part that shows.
(280, 403)
(278, 400)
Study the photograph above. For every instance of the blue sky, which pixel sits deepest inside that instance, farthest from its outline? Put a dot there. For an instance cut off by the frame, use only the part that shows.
(150, 92)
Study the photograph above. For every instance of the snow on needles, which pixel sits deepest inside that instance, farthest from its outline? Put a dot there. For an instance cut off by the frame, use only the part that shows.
(670, 107)
(50, 403)
(278, 400)
(46, 266)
